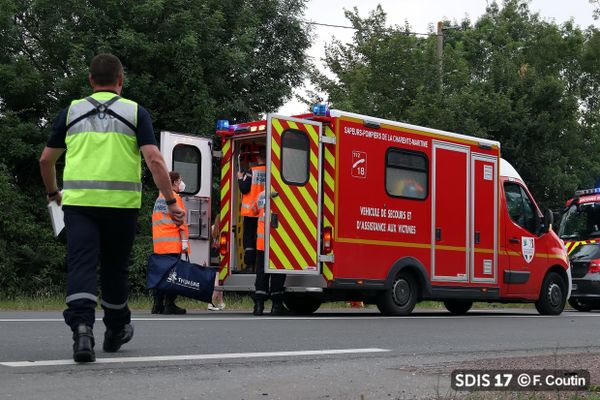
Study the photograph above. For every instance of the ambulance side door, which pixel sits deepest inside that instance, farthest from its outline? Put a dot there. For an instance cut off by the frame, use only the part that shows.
(191, 156)
(293, 196)
(526, 250)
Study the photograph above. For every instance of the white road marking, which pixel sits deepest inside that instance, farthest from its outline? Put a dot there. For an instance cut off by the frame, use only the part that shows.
(352, 317)
(222, 356)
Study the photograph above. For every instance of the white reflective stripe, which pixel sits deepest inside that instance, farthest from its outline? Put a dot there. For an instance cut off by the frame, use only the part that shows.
(113, 306)
(164, 221)
(249, 248)
(260, 292)
(246, 206)
(261, 235)
(82, 295)
(166, 239)
(272, 293)
(103, 185)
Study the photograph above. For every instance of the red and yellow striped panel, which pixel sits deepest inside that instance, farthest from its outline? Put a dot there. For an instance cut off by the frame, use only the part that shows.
(293, 244)
(328, 193)
(573, 245)
(226, 165)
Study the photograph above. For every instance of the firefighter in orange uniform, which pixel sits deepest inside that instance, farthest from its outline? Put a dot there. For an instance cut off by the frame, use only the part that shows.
(251, 184)
(261, 285)
(168, 238)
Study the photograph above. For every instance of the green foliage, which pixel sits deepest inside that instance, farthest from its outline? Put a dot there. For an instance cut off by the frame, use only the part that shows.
(189, 62)
(531, 84)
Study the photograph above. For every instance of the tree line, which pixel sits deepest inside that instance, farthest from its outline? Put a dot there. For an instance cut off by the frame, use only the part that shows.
(510, 75)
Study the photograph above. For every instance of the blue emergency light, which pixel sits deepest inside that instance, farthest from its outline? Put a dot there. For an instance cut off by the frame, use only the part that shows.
(320, 110)
(222, 125)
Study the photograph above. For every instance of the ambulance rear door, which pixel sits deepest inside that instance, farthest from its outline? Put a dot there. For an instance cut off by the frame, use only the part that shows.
(293, 206)
(191, 156)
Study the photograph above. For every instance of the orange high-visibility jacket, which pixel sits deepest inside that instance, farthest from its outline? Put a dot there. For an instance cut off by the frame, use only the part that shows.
(166, 235)
(260, 226)
(259, 178)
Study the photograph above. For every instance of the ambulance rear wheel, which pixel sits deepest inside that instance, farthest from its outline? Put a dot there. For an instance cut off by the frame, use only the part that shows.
(553, 295)
(401, 298)
(302, 305)
(458, 307)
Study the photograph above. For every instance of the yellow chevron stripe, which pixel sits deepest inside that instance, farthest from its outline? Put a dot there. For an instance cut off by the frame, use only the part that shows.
(274, 247)
(310, 201)
(225, 187)
(327, 272)
(224, 211)
(326, 222)
(314, 137)
(329, 181)
(277, 125)
(293, 125)
(303, 191)
(329, 157)
(328, 204)
(293, 247)
(306, 242)
(225, 227)
(225, 170)
(329, 131)
(294, 202)
(223, 272)
(288, 217)
(226, 147)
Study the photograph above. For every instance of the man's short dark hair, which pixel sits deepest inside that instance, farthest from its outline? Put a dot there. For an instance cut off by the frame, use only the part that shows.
(106, 69)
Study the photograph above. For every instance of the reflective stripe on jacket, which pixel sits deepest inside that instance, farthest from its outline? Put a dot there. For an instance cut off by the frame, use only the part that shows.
(103, 161)
(166, 235)
(259, 178)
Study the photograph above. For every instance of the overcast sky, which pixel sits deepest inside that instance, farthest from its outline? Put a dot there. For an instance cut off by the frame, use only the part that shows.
(420, 14)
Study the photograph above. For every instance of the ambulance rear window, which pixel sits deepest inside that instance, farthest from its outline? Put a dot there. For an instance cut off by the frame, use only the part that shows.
(294, 157)
(406, 174)
(187, 160)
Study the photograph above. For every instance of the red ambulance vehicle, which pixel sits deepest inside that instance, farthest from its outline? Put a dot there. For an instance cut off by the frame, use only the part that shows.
(367, 209)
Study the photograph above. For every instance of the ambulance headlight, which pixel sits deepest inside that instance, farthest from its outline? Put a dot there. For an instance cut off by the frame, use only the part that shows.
(320, 110)
(222, 125)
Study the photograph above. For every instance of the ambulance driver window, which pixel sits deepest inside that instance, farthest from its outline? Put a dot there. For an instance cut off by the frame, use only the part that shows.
(294, 157)
(188, 161)
(406, 174)
(520, 207)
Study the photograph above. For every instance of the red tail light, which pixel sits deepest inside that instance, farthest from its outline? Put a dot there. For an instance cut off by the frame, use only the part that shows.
(224, 243)
(327, 240)
(594, 266)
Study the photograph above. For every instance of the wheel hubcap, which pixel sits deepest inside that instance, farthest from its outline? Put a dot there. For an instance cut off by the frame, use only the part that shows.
(401, 292)
(554, 295)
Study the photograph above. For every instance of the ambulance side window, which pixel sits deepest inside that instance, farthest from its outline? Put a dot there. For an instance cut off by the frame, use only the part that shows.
(406, 174)
(187, 160)
(295, 153)
(520, 207)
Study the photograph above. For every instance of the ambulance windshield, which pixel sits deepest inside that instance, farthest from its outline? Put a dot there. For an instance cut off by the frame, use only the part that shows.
(580, 221)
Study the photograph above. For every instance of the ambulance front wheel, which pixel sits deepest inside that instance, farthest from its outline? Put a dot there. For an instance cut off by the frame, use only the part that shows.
(458, 307)
(553, 295)
(401, 298)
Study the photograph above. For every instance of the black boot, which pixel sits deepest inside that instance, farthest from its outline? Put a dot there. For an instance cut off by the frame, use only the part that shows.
(83, 346)
(114, 339)
(158, 306)
(171, 308)
(259, 307)
(278, 308)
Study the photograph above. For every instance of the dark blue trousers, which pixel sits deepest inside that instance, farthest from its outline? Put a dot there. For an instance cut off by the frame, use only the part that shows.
(98, 235)
(267, 285)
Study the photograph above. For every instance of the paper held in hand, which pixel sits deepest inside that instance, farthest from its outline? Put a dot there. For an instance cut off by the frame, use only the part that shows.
(57, 217)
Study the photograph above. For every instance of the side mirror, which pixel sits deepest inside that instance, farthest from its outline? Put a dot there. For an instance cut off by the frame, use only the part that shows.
(548, 221)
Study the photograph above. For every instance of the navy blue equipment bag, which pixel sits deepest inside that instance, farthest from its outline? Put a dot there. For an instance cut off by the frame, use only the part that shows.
(183, 278)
